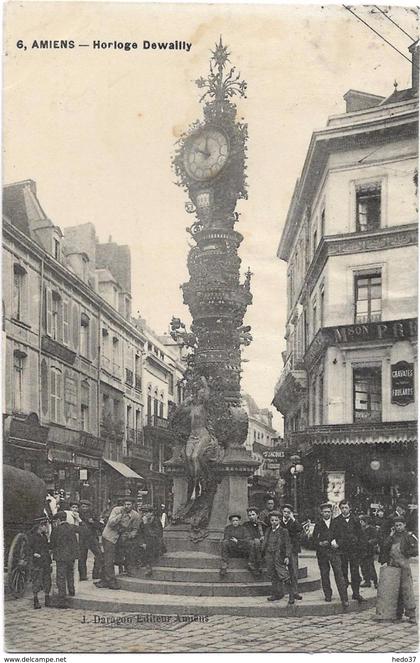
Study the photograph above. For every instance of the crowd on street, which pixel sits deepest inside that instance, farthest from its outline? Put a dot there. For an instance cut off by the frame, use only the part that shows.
(123, 535)
(348, 544)
(130, 536)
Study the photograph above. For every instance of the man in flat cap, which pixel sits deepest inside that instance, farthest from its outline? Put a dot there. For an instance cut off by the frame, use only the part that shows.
(254, 530)
(235, 543)
(289, 522)
(324, 539)
(65, 551)
(89, 530)
(278, 549)
(264, 515)
(348, 534)
(41, 561)
(150, 539)
(396, 551)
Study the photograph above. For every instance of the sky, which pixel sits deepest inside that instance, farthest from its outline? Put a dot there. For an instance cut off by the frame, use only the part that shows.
(96, 130)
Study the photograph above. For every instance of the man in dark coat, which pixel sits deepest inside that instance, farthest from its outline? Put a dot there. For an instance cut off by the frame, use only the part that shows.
(289, 522)
(65, 551)
(151, 536)
(89, 530)
(41, 561)
(348, 534)
(368, 542)
(264, 515)
(396, 551)
(278, 549)
(236, 543)
(254, 530)
(323, 537)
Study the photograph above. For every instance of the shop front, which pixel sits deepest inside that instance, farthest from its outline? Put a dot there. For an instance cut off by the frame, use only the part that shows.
(119, 481)
(75, 464)
(25, 443)
(366, 466)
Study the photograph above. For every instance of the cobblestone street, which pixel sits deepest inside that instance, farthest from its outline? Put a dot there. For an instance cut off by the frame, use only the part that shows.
(28, 630)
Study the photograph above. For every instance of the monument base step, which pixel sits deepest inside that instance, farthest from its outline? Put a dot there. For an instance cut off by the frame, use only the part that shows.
(184, 559)
(195, 588)
(99, 601)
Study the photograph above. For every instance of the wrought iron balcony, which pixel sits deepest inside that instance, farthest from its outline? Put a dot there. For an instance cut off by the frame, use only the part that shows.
(138, 446)
(157, 422)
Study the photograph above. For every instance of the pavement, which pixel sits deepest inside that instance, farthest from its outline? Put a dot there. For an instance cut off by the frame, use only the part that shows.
(77, 630)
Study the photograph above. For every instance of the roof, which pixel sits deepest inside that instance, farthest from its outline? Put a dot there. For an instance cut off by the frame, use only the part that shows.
(22, 207)
(398, 95)
(124, 470)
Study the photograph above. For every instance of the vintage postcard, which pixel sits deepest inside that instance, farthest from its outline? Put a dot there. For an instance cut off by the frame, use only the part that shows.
(209, 347)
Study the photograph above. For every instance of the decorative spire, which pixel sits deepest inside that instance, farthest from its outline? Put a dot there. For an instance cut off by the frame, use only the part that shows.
(219, 85)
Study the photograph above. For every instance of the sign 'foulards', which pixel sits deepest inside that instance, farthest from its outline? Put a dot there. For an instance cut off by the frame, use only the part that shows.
(402, 383)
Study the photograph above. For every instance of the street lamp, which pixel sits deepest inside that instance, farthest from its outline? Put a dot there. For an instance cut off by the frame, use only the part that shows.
(296, 469)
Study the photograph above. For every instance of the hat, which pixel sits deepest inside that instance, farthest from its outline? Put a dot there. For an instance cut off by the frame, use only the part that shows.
(274, 513)
(287, 506)
(235, 515)
(325, 505)
(252, 508)
(87, 502)
(60, 515)
(399, 519)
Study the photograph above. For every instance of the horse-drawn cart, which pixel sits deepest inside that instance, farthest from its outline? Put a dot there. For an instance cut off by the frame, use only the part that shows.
(23, 501)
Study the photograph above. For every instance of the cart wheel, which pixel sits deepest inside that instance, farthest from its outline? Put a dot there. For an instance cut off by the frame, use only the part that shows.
(18, 565)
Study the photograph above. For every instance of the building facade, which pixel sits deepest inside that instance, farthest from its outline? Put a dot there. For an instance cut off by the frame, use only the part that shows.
(265, 445)
(348, 389)
(76, 408)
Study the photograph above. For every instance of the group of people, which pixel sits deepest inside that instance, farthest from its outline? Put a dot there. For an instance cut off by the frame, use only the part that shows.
(268, 537)
(347, 544)
(127, 536)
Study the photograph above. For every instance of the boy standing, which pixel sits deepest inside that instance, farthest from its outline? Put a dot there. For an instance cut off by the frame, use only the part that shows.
(396, 551)
(278, 551)
(65, 551)
(41, 561)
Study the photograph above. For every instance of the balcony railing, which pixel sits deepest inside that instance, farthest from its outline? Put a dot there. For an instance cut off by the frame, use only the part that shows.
(157, 422)
(134, 436)
(138, 446)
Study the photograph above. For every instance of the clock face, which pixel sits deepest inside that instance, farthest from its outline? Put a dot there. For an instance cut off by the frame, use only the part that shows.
(206, 153)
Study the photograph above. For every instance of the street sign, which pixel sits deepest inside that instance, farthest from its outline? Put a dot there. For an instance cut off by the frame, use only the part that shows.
(272, 454)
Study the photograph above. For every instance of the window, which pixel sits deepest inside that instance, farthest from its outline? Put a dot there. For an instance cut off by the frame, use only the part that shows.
(56, 316)
(368, 297)
(321, 305)
(84, 405)
(314, 241)
(314, 317)
(323, 222)
(56, 249)
(321, 400)
(115, 356)
(368, 207)
(70, 398)
(19, 359)
(171, 383)
(367, 394)
(19, 292)
(84, 335)
(56, 388)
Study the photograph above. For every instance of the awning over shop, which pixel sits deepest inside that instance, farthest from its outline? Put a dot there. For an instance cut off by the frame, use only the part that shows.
(124, 470)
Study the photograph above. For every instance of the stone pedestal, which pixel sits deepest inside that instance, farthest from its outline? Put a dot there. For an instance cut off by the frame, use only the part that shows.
(231, 497)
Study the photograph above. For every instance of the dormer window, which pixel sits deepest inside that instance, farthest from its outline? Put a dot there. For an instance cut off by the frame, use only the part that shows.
(57, 249)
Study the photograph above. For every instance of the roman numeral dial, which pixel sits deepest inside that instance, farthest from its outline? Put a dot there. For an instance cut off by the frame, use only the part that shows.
(206, 153)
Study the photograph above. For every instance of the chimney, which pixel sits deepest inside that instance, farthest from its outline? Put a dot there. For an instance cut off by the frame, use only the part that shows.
(414, 50)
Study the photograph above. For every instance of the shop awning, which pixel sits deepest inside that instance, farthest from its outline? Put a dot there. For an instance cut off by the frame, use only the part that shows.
(124, 470)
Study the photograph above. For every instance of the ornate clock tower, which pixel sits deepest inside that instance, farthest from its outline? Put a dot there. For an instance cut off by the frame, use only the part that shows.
(210, 466)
